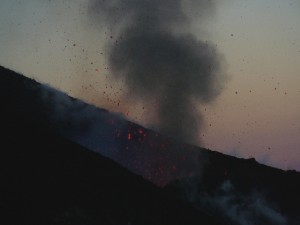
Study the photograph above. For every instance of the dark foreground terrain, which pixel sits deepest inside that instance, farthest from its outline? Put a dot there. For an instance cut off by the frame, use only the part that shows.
(45, 178)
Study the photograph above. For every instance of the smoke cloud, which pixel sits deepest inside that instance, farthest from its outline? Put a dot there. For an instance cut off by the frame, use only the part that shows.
(244, 210)
(233, 205)
(159, 58)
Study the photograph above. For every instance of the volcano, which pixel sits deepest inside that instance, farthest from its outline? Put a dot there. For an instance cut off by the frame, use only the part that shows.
(66, 162)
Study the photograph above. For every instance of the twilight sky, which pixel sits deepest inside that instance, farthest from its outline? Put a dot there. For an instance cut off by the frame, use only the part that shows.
(256, 115)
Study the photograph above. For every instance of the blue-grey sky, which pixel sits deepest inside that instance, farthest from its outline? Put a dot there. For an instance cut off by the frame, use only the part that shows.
(258, 113)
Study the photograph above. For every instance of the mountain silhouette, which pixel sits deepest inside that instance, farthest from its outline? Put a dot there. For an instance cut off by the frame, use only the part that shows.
(47, 179)
(66, 162)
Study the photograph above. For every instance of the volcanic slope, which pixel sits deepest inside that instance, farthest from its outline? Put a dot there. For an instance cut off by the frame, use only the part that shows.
(47, 179)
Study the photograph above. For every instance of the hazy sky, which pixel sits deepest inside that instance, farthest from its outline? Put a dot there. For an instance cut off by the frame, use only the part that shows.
(258, 113)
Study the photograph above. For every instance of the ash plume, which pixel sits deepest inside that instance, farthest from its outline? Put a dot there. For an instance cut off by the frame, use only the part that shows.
(161, 60)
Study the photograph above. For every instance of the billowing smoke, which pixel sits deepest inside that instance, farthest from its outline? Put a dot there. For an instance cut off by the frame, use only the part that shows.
(160, 59)
(234, 206)
(244, 210)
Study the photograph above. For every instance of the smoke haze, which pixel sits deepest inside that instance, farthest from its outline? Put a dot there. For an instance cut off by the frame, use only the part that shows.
(240, 209)
(161, 60)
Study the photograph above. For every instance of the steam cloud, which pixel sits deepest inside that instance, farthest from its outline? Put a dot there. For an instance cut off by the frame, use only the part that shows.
(242, 210)
(161, 60)
(234, 206)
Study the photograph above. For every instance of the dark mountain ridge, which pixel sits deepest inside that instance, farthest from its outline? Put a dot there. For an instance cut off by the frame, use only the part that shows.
(49, 179)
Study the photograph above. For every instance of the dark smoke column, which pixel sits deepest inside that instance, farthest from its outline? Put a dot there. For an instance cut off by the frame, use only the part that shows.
(160, 62)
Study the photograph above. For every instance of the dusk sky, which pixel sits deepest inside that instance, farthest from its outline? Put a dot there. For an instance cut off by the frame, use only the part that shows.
(256, 115)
